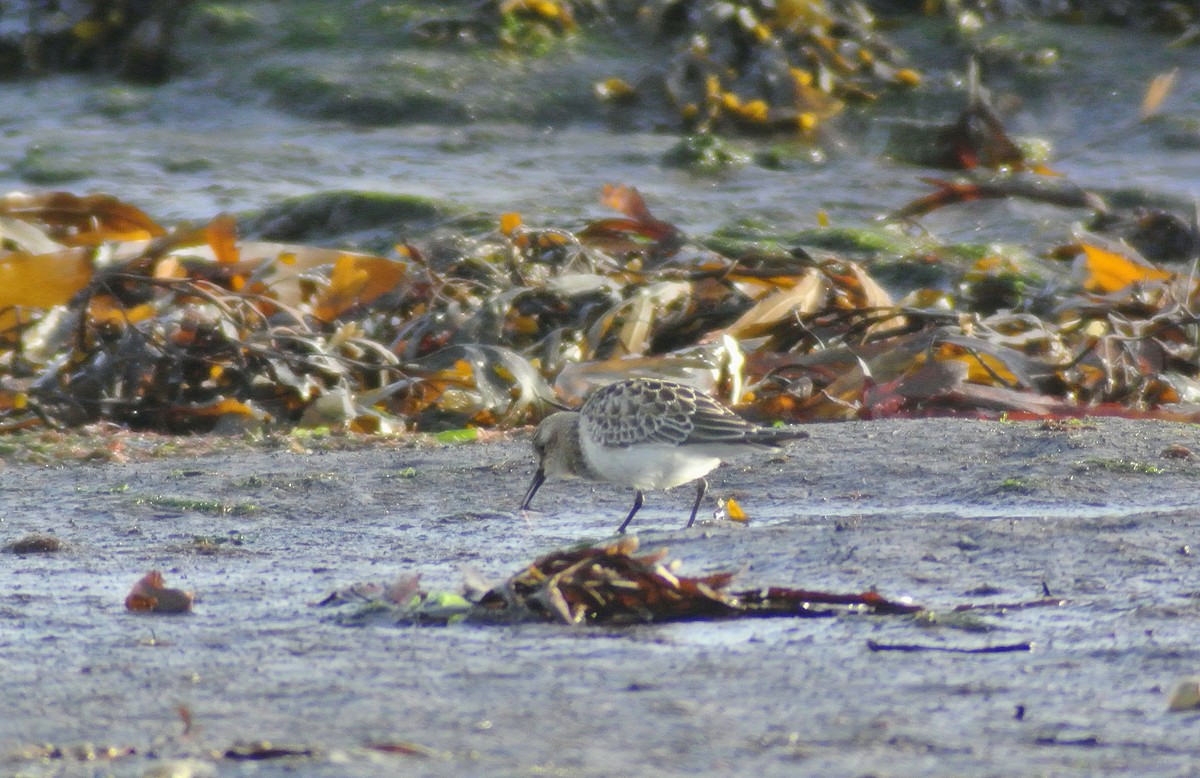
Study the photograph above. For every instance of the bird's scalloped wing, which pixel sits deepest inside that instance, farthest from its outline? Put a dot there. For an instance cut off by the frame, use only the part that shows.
(635, 412)
(651, 411)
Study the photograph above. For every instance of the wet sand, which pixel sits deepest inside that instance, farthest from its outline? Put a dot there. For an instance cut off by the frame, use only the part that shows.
(944, 512)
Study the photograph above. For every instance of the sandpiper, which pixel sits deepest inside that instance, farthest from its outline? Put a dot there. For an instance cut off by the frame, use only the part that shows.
(647, 434)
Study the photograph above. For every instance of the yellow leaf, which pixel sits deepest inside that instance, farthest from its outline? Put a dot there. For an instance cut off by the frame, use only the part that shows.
(226, 406)
(547, 8)
(357, 280)
(509, 223)
(221, 236)
(170, 267)
(1109, 271)
(1160, 87)
(755, 111)
(712, 86)
(981, 368)
(106, 310)
(462, 371)
(43, 280)
(734, 511)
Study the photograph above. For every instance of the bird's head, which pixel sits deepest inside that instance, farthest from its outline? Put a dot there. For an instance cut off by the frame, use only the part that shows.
(556, 443)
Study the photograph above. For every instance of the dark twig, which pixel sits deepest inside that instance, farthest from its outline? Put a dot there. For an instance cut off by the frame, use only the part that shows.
(913, 647)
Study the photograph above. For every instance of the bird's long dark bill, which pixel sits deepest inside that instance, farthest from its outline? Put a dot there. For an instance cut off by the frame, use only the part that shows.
(538, 478)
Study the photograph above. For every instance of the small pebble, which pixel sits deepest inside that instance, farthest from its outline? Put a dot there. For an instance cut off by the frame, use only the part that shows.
(1186, 696)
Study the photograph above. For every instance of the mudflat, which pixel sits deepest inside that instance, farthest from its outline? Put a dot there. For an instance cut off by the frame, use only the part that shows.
(1104, 513)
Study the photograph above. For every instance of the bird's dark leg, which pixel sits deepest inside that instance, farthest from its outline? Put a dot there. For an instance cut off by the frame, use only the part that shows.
(701, 488)
(637, 504)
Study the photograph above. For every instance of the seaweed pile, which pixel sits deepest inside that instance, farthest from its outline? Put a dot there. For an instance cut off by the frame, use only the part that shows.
(612, 584)
(106, 315)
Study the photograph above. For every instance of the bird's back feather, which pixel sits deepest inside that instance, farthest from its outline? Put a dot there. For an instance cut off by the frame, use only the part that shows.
(643, 410)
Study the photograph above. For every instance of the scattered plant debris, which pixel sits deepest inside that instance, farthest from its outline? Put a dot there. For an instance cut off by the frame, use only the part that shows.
(1177, 451)
(151, 595)
(36, 544)
(613, 585)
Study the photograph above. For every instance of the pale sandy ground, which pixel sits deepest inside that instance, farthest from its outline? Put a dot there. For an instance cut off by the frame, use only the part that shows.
(944, 512)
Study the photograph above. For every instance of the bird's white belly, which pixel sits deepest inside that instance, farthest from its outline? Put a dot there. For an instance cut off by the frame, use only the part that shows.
(653, 466)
